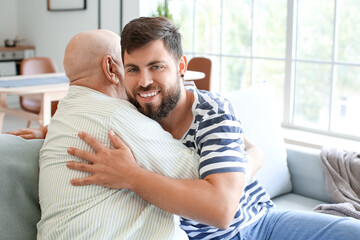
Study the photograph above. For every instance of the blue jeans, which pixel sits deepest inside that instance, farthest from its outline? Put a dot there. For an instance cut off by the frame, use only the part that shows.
(295, 225)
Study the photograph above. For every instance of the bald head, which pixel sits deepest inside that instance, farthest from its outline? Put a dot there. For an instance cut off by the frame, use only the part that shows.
(85, 51)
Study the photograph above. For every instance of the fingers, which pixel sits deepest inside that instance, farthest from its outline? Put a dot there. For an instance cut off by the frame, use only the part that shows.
(28, 136)
(88, 156)
(22, 133)
(82, 181)
(91, 141)
(83, 167)
(27, 133)
(116, 140)
(16, 132)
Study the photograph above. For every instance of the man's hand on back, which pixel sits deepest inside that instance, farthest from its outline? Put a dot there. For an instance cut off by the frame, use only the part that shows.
(112, 168)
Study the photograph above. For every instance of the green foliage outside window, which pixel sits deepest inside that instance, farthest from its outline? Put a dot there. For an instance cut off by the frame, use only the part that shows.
(163, 10)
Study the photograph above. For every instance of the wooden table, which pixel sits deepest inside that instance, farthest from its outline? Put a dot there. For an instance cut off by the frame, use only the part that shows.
(46, 93)
(193, 75)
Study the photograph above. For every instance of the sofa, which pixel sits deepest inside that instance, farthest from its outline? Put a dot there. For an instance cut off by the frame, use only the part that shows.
(292, 175)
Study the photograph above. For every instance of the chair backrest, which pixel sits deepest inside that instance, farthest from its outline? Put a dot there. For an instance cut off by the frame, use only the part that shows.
(201, 64)
(37, 65)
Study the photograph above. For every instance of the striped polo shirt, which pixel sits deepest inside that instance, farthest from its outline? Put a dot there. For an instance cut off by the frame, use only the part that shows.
(217, 136)
(95, 212)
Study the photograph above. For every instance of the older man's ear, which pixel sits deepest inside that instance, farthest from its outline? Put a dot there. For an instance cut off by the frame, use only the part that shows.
(109, 68)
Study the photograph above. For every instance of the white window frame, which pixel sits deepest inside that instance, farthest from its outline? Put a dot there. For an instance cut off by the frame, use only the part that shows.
(290, 61)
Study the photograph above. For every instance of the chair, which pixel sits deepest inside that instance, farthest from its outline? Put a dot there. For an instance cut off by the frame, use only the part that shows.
(201, 64)
(36, 65)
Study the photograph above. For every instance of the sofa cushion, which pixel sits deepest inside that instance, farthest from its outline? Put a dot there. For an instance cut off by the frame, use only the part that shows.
(19, 202)
(307, 174)
(292, 201)
(261, 123)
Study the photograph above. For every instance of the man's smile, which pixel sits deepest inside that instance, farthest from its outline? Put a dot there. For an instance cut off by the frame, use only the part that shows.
(149, 94)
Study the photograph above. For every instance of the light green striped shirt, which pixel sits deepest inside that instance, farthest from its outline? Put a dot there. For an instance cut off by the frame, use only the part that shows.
(95, 212)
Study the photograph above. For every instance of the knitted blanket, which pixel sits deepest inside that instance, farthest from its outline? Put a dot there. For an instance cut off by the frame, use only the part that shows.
(342, 177)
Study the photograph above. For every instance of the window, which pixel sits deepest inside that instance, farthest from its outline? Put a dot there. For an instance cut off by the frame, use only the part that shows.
(305, 50)
(326, 63)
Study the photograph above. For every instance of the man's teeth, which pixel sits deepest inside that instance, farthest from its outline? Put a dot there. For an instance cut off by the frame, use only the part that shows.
(145, 95)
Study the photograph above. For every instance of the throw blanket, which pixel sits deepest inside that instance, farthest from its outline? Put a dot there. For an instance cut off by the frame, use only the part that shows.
(342, 176)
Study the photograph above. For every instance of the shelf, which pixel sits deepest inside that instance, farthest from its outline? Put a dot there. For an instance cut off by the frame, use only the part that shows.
(17, 48)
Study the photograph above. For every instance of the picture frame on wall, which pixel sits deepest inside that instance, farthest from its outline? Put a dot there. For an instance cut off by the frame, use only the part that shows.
(66, 5)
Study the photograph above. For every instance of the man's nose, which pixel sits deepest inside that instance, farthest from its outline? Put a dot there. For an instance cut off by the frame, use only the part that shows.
(145, 79)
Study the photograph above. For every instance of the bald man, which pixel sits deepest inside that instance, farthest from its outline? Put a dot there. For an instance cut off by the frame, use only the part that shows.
(95, 104)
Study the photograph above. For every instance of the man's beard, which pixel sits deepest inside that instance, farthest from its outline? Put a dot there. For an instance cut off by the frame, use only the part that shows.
(169, 100)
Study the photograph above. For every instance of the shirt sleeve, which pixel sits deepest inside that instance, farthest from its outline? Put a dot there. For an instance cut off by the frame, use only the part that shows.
(221, 144)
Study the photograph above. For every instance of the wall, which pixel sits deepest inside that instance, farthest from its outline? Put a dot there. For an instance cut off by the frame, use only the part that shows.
(8, 20)
(131, 10)
(110, 15)
(49, 31)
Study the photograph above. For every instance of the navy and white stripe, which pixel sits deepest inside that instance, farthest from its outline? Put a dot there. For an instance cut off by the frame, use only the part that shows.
(217, 136)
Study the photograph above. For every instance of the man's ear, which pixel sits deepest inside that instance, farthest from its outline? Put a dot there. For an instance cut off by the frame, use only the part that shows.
(182, 65)
(109, 68)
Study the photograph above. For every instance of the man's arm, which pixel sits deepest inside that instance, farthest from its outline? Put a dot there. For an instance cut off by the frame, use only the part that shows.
(30, 133)
(255, 155)
(212, 200)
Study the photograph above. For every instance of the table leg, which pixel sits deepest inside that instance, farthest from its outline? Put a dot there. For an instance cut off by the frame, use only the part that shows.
(2, 106)
(45, 113)
(2, 115)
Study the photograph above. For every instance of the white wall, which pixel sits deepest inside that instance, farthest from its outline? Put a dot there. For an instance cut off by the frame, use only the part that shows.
(131, 10)
(49, 31)
(8, 20)
(110, 15)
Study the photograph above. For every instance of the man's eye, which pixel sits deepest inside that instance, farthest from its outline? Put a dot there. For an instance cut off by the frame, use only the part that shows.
(156, 67)
(131, 70)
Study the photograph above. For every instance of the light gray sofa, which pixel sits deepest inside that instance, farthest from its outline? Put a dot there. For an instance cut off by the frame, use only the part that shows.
(292, 175)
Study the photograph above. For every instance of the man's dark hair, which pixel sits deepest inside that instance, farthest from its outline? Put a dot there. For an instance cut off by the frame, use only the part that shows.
(141, 31)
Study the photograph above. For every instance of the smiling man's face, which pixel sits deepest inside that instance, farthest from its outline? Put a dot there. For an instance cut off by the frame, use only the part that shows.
(152, 80)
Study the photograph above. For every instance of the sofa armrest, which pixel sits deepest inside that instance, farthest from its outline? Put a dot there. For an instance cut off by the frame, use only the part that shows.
(19, 174)
(306, 172)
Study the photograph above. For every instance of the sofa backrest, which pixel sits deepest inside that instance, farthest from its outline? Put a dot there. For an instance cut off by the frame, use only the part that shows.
(19, 201)
(261, 123)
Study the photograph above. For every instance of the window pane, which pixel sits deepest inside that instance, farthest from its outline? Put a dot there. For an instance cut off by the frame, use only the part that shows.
(237, 27)
(345, 113)
(270, 28)
(312, 95)
(207, 26)
(315, 29)
(272, 72)
(348, 34)
(149, 7)
(183, 15)
(235, 73)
